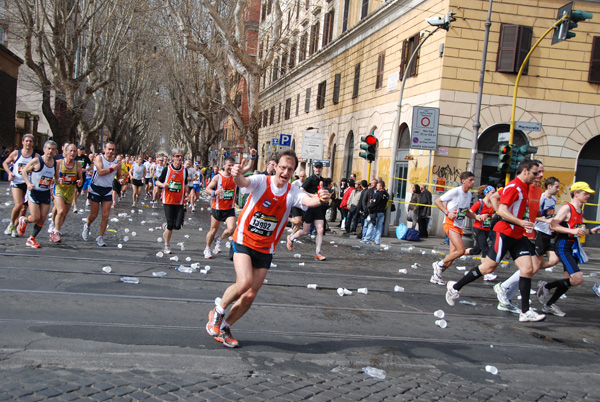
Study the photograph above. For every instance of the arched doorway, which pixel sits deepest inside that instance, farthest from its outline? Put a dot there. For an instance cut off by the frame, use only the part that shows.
(401, 171)
(348, 155)
(588, 170)
(488, 150)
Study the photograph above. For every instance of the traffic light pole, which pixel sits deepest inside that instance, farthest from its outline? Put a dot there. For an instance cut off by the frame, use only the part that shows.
(514, 102)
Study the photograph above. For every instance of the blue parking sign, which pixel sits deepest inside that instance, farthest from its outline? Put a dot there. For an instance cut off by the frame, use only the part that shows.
(274, 141)
(285, 140)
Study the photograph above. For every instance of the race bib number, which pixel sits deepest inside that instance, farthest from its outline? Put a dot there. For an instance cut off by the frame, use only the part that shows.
(487, 223)
(69, 179)
(45, 182)
(460, 214)
(263, 225)
(228, 194)
(196, 182)
(20, 167)
(175, 186)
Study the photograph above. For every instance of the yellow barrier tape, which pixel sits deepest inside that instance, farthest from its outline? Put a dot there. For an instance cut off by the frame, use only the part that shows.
(111, 230)
(430, 184)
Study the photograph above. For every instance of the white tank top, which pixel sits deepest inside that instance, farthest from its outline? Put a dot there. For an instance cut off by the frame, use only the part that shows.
(42, 179)
(138, 171)
(18, 165)
(106, 180)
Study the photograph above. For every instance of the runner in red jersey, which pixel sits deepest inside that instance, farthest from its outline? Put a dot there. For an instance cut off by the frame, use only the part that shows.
(509, 237)
(259, 229)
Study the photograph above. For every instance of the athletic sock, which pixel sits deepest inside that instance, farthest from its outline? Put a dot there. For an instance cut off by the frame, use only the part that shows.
(219, 309)
(525, 288)
(468, 278)
(511, 285)
(225, 324)
(562, 286)
(36, 230)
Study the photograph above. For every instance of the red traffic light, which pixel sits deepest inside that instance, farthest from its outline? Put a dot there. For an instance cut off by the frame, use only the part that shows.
(370, 139)
(505, 149)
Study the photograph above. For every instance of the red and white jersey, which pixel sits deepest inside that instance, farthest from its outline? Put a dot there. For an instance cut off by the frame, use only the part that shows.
(265, 215)
(515, 195)
(224, 201)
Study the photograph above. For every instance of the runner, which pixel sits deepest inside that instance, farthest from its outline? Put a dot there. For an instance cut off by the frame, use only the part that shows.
(19, 158)
(509, 237)
(156, 173)
(259, 229)
(137, 175)
(568, 224)
(173, 180)
(149, 165)
(86, 166)
(196, 186)
(222, 189)
(39, 185)
(481, 229)
(455, 205)
(69, 177)
(316, 215)
(191, 175)
(105, 167)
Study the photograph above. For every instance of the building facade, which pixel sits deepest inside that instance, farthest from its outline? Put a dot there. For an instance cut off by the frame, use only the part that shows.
(345, 84)
(9, 76)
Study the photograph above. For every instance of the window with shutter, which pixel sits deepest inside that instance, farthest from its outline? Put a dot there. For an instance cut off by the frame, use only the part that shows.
(345, 16)
(380, 64)
(408, 47)
(275, 69)
(321, 95)
(303, 43)
(288, 108)
(307, 101)
(356, 81)
(336, 88)
(514, 44)
(272, 115)
(297, 104)
(594, 75)
(279, 114)
(292, 62)
(364, 10)
(328, 28)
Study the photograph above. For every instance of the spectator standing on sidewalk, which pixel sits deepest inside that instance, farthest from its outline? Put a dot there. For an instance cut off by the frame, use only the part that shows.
(412, 208)
(352, 219)
(376, 207)
(424, 212)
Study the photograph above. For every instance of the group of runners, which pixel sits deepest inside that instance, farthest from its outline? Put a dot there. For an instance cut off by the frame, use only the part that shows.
(520, 219)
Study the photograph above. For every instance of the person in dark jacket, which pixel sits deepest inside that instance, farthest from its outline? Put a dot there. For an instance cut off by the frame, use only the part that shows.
(376, 207)
(424, 213)
(412, 208)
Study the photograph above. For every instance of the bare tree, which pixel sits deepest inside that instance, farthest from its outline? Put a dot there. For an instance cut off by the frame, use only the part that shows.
(72, 46)
(226, 38)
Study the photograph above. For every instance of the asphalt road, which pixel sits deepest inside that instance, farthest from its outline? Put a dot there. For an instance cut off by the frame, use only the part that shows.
(69, 331)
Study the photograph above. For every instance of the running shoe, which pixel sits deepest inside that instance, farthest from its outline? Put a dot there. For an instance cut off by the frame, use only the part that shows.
(437, 280)
(437, 270)
(451, 293)
(490, 277)
(31, 242)
(74, 210)
(114, 204)
(85, 235)
(290, 243)
(217, 248)
(511, 308)
(320, 257)
(14, 232)
(226, 338)
(9, 229)
(543, 294)
(55, 236)
(531, 316)
(214, 322)
(164, 226)
(167, 249)
(553, 309)
(207, 253)
(501, 295)
(22, 225)
(100, 241)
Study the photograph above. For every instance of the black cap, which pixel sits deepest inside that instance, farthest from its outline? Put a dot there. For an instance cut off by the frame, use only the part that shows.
(364, 183)
(351, 183)
(318, 165)
(80, 147)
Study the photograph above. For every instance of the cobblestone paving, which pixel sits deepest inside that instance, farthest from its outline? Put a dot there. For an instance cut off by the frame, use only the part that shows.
(63, 384)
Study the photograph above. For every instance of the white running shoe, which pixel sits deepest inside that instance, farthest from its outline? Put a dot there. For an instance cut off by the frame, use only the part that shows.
(511, 308)
(489, 277)
(437, 280)
(9, 229)
(51, 227)
(207, 253)
(217, 248)
(100, 241)
(437, 270)
(167, 249)
(85, 235)
(553, 309)
(451, 294)
(501, 295)
(543, 294)
(531, 316)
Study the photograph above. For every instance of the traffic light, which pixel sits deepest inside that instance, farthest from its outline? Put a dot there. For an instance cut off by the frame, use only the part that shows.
(504, 158)
(563, 31)
(369, 145)
(520, 153)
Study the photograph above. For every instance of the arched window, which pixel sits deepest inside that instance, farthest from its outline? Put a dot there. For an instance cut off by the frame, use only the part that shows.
(489, 148)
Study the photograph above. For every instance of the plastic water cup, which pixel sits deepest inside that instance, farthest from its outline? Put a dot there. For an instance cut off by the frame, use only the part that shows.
(441, 323)
(301, 263)
(159, 239)
(439, 314)
(133, 234)
(119, 246)
(340, 292)
(297, 256)
(159, 274)
(347, 292)
(107, 269)
(311, 286)
(174, 258)
(398, 288)
(126, 230)
(188, 259)
(207, 268)
(160, 254)
(491, 369)
(363, 291)
(403, 271)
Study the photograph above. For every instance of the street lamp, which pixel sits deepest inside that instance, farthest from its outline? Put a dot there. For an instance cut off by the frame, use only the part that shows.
(438, 23)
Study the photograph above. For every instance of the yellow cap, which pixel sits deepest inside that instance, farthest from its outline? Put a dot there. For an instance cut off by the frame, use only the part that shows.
(581, 185)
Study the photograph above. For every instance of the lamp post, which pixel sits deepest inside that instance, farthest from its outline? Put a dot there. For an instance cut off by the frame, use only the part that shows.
(438, 23)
